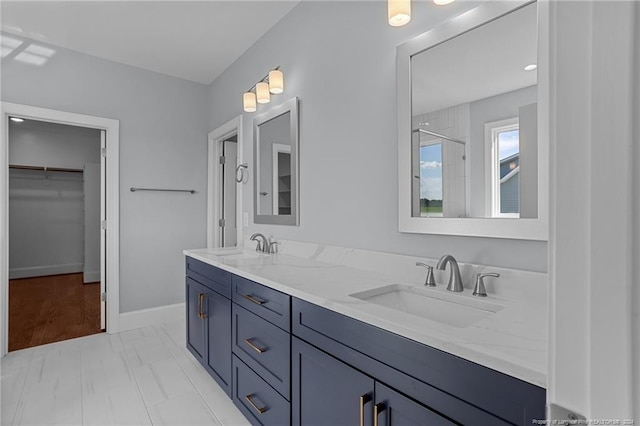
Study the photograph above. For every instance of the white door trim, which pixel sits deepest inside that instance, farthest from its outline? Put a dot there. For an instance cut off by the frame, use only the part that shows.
(112, 128)
(216, 136)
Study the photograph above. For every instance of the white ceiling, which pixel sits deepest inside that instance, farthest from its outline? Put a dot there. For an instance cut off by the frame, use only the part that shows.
(484, 62)
(193, 40)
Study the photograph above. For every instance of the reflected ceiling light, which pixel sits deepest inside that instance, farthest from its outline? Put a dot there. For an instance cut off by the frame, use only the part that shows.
(261, 92)
(530, 67)
(443, 2)
(16, 119)
(249, 102)
(276, 82)
(399, 12)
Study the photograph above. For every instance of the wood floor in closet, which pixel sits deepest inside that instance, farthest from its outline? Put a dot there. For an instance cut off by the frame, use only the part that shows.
(50, 309)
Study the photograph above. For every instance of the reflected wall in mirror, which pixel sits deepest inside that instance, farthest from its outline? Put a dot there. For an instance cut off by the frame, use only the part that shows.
(276, 165)
(473, 119)
(474, 122)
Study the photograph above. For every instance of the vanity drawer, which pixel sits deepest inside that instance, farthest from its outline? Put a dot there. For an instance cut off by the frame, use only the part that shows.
(214, 278)
(258, 401)
(263, 347)
(263, 301)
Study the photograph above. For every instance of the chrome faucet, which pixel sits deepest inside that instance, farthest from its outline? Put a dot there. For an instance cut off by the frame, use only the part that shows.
(266, 245)
(455, 280)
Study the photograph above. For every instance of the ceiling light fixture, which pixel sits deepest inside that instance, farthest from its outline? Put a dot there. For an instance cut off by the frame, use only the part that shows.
(399, 12)
(443, 2)
(260, 93)
(16, 119)
(530, 67)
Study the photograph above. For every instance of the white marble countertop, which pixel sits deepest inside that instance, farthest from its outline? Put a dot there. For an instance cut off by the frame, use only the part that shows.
(512, 340)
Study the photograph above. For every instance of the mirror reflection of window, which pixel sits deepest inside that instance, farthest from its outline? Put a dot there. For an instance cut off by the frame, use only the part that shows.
(431, 179)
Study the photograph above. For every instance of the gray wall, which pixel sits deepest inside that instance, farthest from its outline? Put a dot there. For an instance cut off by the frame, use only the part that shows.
(163, 139)
(47, 232)
(339, 60)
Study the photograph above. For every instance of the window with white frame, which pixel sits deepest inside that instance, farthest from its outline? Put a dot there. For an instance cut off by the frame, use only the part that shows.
(503, 168)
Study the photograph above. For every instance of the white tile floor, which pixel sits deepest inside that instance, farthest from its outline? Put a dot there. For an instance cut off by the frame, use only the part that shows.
(139, 377)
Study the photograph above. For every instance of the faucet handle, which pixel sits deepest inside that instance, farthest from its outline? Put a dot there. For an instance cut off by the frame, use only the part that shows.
(479, 289)
(272, 247)
(430, 281)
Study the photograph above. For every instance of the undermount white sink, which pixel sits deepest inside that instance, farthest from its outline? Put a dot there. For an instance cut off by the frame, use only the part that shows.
(451, 309)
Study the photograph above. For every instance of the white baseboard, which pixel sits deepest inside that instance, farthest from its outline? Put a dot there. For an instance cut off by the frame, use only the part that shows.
(152, 316)
(41, 271)
(91, 277)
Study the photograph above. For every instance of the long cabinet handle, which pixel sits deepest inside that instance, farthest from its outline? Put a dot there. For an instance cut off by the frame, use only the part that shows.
(254, 347)
(377, 409)
(363, 400)
(201, 313)
(254, 299)
(260, 410)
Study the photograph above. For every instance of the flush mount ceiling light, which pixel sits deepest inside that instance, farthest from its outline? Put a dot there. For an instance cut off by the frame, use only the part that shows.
(16, 119)
(399, 12)
(530, 67)
(260, 93)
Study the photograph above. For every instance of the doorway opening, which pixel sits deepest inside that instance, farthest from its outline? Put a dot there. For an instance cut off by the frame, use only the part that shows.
(227, 173)
(55, 210)
(108, 220)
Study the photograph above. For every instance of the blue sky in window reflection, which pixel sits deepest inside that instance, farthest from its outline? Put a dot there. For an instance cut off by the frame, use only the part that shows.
(431, 171)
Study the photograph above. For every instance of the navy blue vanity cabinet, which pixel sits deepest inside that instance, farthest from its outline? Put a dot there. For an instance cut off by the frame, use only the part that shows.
(208, 291)
(440, 383)
(195, 324)
(327, 391)
(394, 409)
(261, 352)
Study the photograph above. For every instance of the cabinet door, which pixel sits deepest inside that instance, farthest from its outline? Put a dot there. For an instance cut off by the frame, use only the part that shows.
(327, 391)
(195, 325)
(395, 409)
(218, 339)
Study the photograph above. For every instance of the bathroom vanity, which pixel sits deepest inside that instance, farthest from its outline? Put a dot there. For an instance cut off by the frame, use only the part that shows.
(298, 339)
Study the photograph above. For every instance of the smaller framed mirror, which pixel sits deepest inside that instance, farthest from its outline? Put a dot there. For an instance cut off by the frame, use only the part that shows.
(275, 157)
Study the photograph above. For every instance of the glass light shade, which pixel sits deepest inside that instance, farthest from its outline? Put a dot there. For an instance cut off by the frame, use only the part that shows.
(262, 93)
(276, 82)
(443, 2)
(399, 12)
(249, 102)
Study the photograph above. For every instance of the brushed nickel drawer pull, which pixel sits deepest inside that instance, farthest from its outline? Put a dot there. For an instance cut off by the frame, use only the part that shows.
(254, 299)
(254, 347)
(377, 409)
(363, 400)
(260, 410)
(201, 314)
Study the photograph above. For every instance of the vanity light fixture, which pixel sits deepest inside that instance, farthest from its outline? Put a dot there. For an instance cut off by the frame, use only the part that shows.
(276, 82)
(399, 12)
(261, 92)
(530, 67)
(249, 102)
(16, 119)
